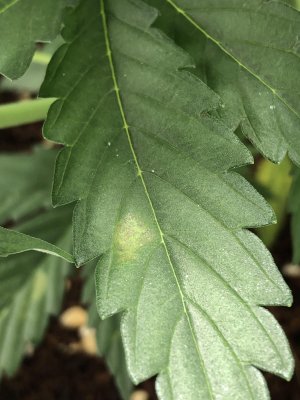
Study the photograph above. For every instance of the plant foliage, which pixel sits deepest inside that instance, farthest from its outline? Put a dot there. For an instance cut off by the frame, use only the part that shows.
(162, 208)
(149, 152)
(249, 53)
(32, 284)
(22, 24)
(295, 210)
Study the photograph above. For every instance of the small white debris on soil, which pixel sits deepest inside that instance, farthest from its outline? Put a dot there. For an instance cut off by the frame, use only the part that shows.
(88, 340)
(291, 270)
(272, 107)
(29, 349)
(139, 395)
(73, 317)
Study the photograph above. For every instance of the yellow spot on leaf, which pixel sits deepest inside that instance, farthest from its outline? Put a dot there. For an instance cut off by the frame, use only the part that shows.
(132, 234)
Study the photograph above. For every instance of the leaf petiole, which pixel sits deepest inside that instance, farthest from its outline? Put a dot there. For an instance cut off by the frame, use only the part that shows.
(41, 57)
(24, 112)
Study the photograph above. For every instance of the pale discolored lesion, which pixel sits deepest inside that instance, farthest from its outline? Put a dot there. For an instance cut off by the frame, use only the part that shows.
(131, 236)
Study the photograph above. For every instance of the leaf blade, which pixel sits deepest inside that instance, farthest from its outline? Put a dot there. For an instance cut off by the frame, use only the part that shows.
(43, 25)
(188, 181)
(240, 62)
(32, 287)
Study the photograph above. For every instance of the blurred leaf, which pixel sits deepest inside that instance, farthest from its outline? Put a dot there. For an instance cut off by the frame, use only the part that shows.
(32, 79)
(22, 24)
(32, 284)
(277, 181)
(108, 334)
(151, 166)
(32, 287)
(249, 53)
(26, 185)
(295, 210)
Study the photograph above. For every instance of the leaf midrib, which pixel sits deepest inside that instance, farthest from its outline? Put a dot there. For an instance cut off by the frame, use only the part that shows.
(140, 175)
(7, 6)
(233, 57)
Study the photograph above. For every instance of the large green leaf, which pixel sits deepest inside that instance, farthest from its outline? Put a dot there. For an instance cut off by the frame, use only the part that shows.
(108, 335)
(249, 53)
(295, 210)
(32, 286)
(26, 184)
(22, 24)
(151, 168)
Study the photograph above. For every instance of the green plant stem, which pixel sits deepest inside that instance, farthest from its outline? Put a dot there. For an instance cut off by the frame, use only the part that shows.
(297, 4)
(41, 57)
(24, 112)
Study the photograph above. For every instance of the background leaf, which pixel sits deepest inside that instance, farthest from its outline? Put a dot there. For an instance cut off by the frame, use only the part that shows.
(32, 286)
(277, 181)
(108, 335)
(22, 24)
(255, 71)
(295, 210)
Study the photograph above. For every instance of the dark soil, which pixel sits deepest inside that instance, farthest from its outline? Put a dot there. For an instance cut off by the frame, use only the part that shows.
(53, 372)
(19, 138)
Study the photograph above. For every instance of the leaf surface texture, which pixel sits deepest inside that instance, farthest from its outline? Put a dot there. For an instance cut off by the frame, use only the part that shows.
(32, 284)
(249, 53)
(26, 184)
(151, 168)
(22, 24)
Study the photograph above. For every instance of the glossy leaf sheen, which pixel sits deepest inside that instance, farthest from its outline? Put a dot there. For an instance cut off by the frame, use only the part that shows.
(32, 284)
(252, 59)
(151, 168)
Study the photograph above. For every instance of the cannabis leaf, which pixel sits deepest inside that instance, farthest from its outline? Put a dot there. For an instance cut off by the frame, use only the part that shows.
(32, 79)
(31, 286)
(22, 24)
(295, 210)
(108, 335)
(12, 242)
(29, 176)
(255, 71)
(26, 184)
(151, 168)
